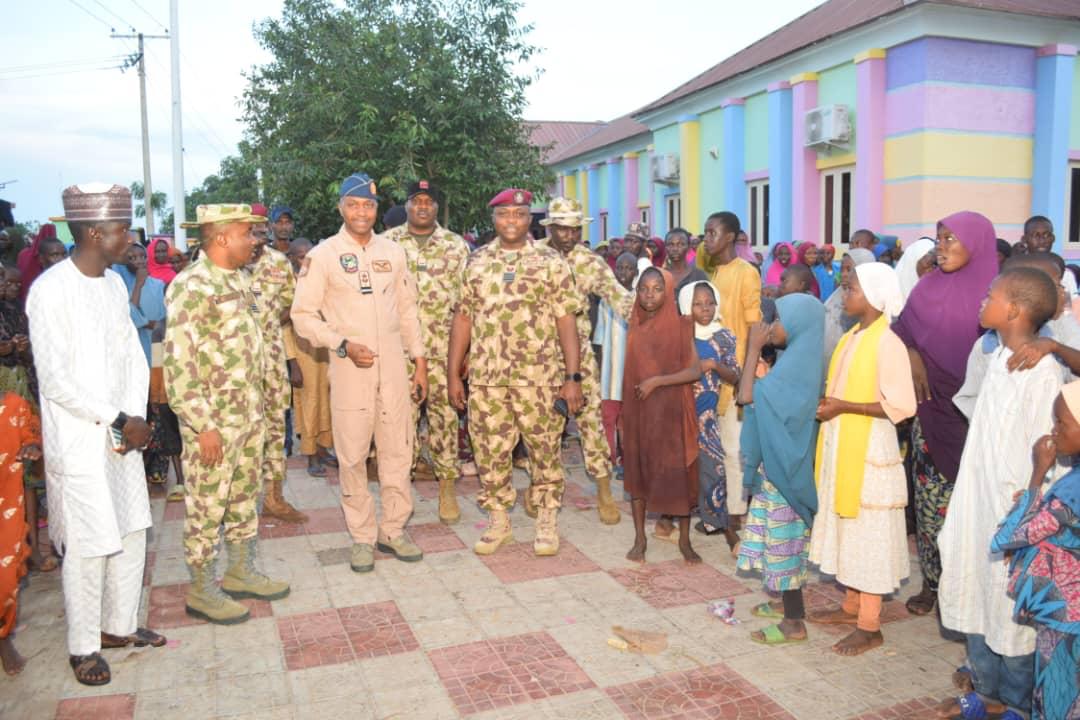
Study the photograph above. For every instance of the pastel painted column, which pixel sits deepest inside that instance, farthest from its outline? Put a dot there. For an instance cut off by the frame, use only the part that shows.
(630, 194)
(805, 185)
(583, 196)
(690, 172)
(615, 214)
(1054, 68)
(734, 155)
(569, 185)
(779, 162)
(869, 139)
(592, 204)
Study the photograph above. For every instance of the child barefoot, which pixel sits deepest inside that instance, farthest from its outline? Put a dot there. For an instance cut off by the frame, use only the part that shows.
(778, 436)
(20, 440)
(859, 533)
(659, 423)
(1043, 530)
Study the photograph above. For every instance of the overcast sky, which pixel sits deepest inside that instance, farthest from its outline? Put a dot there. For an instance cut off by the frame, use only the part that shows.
(67, 119)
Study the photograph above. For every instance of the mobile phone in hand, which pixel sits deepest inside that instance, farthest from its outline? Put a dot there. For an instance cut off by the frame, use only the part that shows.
(562, 408)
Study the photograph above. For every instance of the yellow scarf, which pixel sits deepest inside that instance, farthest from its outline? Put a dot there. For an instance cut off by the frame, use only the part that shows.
(854, 435)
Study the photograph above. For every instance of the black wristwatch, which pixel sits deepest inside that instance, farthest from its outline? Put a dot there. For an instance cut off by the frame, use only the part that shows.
(341, 351)
(119, 423)
(576, 377)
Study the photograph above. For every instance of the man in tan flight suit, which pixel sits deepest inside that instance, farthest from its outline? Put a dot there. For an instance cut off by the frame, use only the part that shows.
(356, 296)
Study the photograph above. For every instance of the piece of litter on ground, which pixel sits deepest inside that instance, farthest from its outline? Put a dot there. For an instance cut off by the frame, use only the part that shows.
(583, 504)
(723, 610)
(640, 641)
(172, 643)
(618, 644)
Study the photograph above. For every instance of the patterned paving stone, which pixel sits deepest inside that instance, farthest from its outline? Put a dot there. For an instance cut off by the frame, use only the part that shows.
(148, 568)
(167, 608)
(313, 639)
(918, 708)
(704, 694)
(432, 538)
(174, 511)
(827, 595)
(377, 629)
(113, 707)
(516, 563)
(674, 583)
(491, 674)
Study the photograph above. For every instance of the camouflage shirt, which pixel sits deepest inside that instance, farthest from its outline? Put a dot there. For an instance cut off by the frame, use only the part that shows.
(593, 276)
(439, 268)
(274, 286)
(513, 299)
(214, 355)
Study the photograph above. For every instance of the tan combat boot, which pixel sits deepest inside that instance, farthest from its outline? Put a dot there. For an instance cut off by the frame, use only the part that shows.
(530, 506)
(449, 512)
(547, 532)
(206, 601)
(498, 533)
(605, 504)
(243, 580)
(276, 506)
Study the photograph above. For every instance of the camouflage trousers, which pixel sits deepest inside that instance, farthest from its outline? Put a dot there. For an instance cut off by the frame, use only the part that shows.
(272, 468)
(442, 421)
(498, 416)
(594, 444)
(226, 494)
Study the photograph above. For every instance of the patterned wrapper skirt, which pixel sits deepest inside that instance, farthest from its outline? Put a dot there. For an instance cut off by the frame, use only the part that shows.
(775, 541)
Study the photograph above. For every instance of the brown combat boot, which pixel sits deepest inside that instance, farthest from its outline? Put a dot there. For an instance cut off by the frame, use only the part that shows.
(547, 532)
(276, 506)
(605, 504)
(449, 512)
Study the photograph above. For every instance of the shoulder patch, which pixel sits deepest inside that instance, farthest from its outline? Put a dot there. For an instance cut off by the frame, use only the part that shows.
(304, 267)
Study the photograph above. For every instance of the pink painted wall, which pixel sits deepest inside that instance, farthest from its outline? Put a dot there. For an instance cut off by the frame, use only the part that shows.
(806, 187)
(870, 80)
(971, 109)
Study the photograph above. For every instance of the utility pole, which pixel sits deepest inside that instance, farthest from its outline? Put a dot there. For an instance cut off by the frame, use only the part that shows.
(148, 192)
(179, 196)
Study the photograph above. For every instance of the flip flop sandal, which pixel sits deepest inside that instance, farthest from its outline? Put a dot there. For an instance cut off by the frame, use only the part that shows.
(140, 638)
(765, 610)
(176, 494)
(917, 605)
(86, 666)
(672, 537)
(702, 528)
(773, 635)
(972, 707)
(963, 678)
(317, 471)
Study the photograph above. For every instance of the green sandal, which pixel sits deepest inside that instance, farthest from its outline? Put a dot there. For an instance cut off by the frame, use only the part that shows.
(775, 636)
(766, 611)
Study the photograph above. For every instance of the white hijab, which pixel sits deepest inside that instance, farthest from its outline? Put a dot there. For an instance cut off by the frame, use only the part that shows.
(907, 267)
(686, 307)
(881, 286)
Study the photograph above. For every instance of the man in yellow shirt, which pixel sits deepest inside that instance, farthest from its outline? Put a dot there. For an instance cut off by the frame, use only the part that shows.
(739, 284)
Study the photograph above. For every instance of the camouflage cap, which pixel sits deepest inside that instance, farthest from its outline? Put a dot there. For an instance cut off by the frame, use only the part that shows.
(219, 214)
(637, 230)
(566, 212)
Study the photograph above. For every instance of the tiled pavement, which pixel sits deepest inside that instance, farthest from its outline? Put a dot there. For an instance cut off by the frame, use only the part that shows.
(508, 636)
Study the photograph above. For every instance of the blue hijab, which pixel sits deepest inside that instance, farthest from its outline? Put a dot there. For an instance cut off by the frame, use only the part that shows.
(780, 427)
(151, 305)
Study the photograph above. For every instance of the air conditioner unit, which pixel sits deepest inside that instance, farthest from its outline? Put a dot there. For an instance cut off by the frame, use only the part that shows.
(827, 126)
(665, 169)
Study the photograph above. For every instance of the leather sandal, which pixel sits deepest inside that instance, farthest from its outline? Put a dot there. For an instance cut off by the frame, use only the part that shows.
(90, 669)
(140, 638)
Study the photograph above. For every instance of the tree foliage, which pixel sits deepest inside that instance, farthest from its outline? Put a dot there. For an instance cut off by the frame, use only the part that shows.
(138, 195)
(236, 181)
(401, 90)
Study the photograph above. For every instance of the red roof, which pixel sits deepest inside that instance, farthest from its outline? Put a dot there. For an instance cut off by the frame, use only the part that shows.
(557, 133)
(605, 134)
(834, 17)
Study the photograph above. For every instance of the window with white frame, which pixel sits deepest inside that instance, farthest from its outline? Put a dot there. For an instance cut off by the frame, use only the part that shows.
(603, 227)
(674, 212)
(836, 205)
(644, 215)
(757, 213)
(1072, 210)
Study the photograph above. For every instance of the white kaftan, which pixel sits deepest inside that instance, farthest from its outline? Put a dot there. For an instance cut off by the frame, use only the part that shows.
(90, 367)
(1011, 412)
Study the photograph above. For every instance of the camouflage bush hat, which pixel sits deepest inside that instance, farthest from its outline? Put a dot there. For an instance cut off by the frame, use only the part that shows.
(221, 213)
(638, 230)
(566, 212)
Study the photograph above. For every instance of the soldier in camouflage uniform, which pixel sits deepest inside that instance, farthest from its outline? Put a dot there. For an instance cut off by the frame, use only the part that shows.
(273, 284)
(214, 361)
(437, 259)
(517, 313)
(592, 276)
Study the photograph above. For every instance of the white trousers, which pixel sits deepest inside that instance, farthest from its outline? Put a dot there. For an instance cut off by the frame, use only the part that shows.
(730, 428)
(102, 593)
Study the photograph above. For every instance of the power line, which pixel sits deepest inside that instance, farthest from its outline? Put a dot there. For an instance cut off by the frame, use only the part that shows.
(81, 7)
(61, 64)
(106, 9)
(62, 72)
(221, 146)
(147, 14)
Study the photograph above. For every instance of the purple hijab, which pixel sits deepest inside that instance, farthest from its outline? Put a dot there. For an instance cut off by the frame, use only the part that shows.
(941, 321)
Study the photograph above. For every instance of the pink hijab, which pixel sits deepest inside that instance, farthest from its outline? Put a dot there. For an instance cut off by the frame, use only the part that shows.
(162, 271)
(775, 268)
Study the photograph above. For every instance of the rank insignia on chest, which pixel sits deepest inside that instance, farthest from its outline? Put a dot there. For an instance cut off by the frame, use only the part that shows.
(349, 263)
(421, 265)
(365, 282)
(381, 266)
(508, 276)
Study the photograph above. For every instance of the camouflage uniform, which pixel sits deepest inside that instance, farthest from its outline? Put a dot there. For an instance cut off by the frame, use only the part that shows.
(213, 368)
(439, 268)
(273, 284)
(513, 299)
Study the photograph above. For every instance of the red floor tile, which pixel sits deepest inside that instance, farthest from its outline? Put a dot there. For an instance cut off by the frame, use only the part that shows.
(273, 529)
(517, 563)
(490, 674)
(674, 583)
(148, 568)
(703, 694)
(434, 538)
(828, 595)
(174, 511)
(313, 639)
(113, 707)
(427, 489)
(167, 607)
(325, 520)
(921, 707)
(377, 629)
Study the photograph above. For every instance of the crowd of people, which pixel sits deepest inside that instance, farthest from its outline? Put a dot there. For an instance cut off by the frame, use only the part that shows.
(814, 411)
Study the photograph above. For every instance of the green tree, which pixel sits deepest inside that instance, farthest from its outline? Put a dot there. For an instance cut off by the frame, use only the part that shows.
(157, 201)
(401, 90)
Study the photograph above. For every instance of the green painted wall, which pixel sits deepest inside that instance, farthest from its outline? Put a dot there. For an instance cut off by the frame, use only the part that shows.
(712, 169)
(644, 184)
(1074, 133)
(836, 86)
(602, 175)
(757, 132)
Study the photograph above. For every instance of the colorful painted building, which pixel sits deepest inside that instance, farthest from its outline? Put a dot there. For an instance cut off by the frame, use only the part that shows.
(884, 114)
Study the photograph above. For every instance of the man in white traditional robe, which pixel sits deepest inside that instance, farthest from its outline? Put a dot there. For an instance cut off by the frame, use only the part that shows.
(94, 383)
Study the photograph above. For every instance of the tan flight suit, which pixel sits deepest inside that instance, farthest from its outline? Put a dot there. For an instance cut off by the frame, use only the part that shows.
(366, 294)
